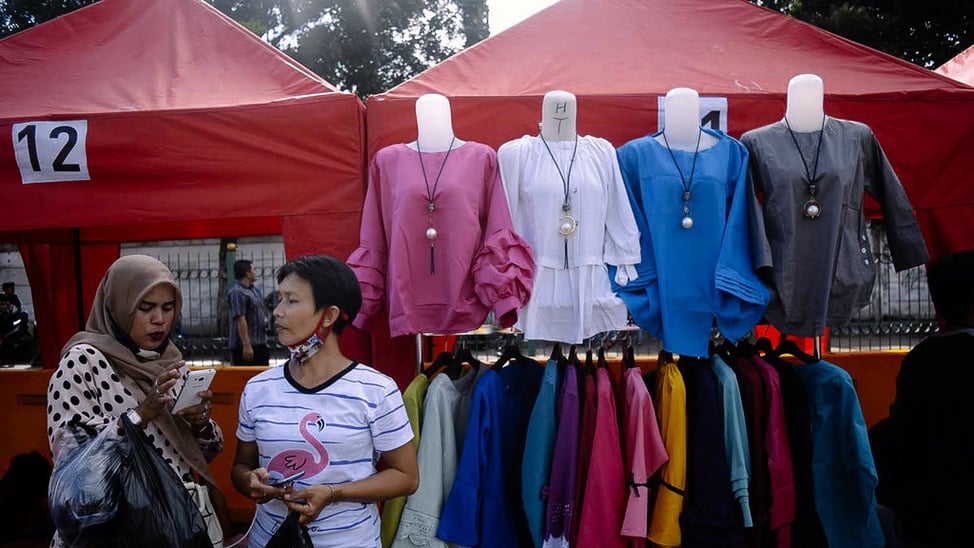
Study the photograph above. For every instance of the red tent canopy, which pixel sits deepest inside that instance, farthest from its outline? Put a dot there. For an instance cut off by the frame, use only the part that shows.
(163, 120)
(960, 68)
(618, 56)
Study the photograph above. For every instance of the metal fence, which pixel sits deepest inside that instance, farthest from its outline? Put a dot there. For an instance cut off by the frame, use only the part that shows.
(899, 315)
(202, 330)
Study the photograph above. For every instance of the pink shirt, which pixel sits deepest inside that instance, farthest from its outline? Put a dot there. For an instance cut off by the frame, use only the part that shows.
(782, 477)
(605, 486)
(645, 454)
(477, 262)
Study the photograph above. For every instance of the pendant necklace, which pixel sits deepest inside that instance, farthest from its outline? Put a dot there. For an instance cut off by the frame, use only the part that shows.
(567, 225)
(687, 221)
(812, 208)
(431, 233)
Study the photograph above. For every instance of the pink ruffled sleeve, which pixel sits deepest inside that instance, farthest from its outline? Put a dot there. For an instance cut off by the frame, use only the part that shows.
(370, 259)
(503, 269)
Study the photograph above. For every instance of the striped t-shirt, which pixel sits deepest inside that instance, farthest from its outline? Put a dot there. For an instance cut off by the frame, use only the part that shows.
(334, 433)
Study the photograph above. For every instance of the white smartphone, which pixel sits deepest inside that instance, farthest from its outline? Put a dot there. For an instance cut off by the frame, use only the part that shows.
(194, 382)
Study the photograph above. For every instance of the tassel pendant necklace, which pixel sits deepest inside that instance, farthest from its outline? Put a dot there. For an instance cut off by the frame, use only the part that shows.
(567, 224)
(431, 232)
(811, 208)
(687, 221)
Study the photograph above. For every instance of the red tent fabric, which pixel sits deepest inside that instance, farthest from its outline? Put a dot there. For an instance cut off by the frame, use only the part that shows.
(190, 126)
(618, 56)
(960, 68)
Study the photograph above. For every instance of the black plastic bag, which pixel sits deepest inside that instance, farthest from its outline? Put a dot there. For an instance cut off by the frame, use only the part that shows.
(291, 534)
(85, 489)
(157, 510)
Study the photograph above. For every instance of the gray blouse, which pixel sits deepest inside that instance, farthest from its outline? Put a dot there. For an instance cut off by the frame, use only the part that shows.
(821, 268)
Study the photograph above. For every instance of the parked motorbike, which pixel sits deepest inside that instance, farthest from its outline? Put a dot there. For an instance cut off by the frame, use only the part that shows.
(17, 342)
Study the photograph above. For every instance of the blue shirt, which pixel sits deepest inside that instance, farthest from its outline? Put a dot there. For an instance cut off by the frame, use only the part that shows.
(539, 446)
(843, 471)
(735, 436)
(484, 506)
(689, 276)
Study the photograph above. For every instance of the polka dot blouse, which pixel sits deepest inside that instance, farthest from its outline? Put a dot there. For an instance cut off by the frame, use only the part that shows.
(85, 389)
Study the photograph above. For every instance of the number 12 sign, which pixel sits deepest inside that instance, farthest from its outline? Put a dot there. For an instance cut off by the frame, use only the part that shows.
(49, 152)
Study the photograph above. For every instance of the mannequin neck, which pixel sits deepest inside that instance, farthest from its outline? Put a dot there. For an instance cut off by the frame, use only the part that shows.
(805, 111)
(558, 115)
(434, 137)
(681, 122)
(434, 124)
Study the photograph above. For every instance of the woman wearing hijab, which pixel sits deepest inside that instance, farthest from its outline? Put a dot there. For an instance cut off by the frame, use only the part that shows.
(323, 416)
(123, 363)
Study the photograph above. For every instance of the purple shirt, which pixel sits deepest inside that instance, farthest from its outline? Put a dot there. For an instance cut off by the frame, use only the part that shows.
(476, 262)
(561, 482)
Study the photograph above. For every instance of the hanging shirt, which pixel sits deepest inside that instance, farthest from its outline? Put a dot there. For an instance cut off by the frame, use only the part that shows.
(476, 264)
(538, 448)
(843, 470)
(484, 505)
(709, 518)
(755, 416)
(561, 483)
(806, 531)
(782, 510)
(735, 436)
(605, 485)
(446, 411)
(413, 398)
(664, 525)
(823, 270)
(585, 437)
(688, 276)
(571, 298)
(644, 454)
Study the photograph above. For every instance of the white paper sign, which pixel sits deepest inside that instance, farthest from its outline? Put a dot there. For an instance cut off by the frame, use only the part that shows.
(49, 152)
(713, 112)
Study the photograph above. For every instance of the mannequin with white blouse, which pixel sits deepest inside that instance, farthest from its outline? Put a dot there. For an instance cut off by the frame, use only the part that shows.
(568, 200)
(558, 113)
(434, 124)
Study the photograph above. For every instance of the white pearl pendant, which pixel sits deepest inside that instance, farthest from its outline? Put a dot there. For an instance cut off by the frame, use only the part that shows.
(568, 226)
(431, 233)
(687, 222)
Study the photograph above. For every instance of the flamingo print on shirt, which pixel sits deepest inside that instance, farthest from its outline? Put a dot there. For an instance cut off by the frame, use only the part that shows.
(288, 462)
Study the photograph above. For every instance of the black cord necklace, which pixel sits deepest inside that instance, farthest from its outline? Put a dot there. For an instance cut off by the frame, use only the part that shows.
(567, 224)
(812, 207)
(687, 221)
(431, 233)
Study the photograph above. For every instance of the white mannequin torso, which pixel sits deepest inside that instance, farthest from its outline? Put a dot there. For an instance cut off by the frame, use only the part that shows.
(434, 124)
(805, 111)
(559, 111)
(681, 122)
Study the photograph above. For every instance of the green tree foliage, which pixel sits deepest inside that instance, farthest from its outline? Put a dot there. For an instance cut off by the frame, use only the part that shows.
(364, 46)
(925, 32)
(17, 15)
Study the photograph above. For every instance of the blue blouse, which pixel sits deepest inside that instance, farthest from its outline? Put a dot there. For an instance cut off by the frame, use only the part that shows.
(689, 276)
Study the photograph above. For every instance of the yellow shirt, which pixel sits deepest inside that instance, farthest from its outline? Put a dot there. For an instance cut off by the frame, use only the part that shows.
(413, 399)
(671, 395)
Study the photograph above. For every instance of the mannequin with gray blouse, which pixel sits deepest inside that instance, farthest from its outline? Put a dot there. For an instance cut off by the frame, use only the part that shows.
(813, 171)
